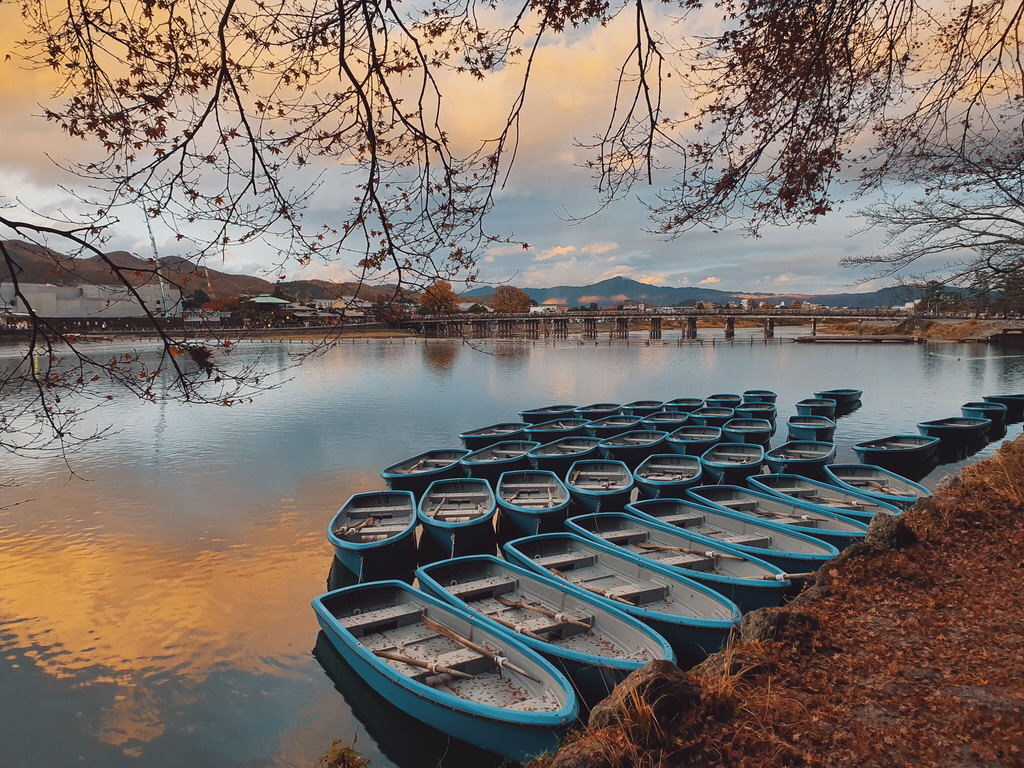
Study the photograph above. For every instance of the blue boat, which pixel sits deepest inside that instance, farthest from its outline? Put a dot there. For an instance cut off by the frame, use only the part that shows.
(683, 404)
(488, 463)
(667, 475)
(449, 669)
(665, 421)
(759, 396)
(851, 504)
(373, 534)
(785, 548)
(746, 580)
(877, 482)
(732, 462)
(723, 400)
(1014, 405)
(693, 440)
(816, 406)
(611, 426)
(957, 429)
(905, 454)
(818, 428)
(547, 413)
(632, 447)
(416, 473)
(842, 397)
(801, 457)
(530, 501)
(757, 431)
(556, 429)
(475, 439)
(979, 409)
(796, 515)
(764, 411)
(559, 455)
(598, 411)
(711, 416)
(457, 518)
(597, 485)
(593, 644)
(694, 619)
(641, 408)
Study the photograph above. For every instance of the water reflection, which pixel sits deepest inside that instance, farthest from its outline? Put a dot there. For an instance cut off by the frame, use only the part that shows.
(440, 356)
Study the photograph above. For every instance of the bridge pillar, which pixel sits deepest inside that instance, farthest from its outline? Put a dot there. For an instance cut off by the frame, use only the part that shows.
(860, 327)
(560, 328)
(620, 328)
(429, 330)
(505, 329)
(533, 328)
(730, 327)
(479, 329)
(814, 326)
(691, 328)
(769, 328)
(655, 327)
(589, 328)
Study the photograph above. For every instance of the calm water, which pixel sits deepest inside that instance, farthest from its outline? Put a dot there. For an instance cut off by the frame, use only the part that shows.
(154, 607)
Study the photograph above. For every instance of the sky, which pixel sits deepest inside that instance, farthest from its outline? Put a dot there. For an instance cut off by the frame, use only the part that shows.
(569, 98)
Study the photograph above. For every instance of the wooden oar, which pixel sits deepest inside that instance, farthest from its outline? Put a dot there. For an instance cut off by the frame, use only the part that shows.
(437, 669)
(515, 627)
(596, 591)
(842, 502)
(785, 576)
(358, 526)
(483, 650)
(438, 507)
(542, 611)
(705, 552)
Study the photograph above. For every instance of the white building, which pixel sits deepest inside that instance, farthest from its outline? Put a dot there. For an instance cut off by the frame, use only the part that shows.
(92, 301)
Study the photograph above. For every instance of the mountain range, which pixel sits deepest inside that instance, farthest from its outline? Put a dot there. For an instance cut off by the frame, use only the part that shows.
(39, 265)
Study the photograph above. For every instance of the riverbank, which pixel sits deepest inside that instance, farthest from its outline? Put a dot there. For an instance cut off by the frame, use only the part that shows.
(907, 651)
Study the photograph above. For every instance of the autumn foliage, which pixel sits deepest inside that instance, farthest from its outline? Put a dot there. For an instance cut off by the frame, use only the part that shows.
(508, 299)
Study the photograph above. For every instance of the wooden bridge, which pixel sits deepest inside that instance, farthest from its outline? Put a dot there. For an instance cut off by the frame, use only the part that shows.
(617, 324)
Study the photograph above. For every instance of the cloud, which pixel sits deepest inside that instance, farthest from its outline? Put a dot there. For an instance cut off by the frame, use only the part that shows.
(652, 279)
(598, 248)
(550, 253)
(784, 278)
(710, 280)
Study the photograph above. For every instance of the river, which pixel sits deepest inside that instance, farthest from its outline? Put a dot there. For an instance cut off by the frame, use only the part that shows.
(155, 588)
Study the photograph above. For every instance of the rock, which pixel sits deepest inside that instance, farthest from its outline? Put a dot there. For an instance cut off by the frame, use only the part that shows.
(778, 625)
(889, 531)
(342, 755)
(589, 753)
(660, 685)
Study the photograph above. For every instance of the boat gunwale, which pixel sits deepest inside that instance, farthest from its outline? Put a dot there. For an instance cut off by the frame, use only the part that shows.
(360, 546)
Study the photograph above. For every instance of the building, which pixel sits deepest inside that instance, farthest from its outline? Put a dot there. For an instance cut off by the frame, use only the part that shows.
(92, 301)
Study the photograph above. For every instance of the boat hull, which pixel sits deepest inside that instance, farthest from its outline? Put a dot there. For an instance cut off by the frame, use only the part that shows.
(912, 459)
(878, 483)
(442, 538)
(515, 520)
(654, 476)
(387, 558)
(417, 481)
(801, 457)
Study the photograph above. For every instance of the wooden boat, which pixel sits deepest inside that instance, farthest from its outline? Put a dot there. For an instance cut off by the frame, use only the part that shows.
(597, 485)
(457, 518)
(488, 463)
(448, 668)
(851, 504)
(746, 580)
(783, 547)
(801, 457)
(530, 501)
(899, 453)
(416, 473)
(693, 440)
(559, 455)
(842, 397)
(732, 462)
(818, 428)
(711, 416)
(611, 426)
(665, 421)
(667, 475)
(759, 396)
(877, 482)
(593, 644)
(475, 439)
(806, 518)
(979, 409)
(373, 534)
(1014, 405)
(683, 404)
(816, 406)
(641, 408)
(723, 400)
(547, 413)
(694, 619)
(632, 447)
(747, 431)
(957, 429)
(556, 429)
(598, 411)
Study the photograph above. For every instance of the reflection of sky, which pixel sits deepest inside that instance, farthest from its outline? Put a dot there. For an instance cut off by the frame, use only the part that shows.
(165, 590)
